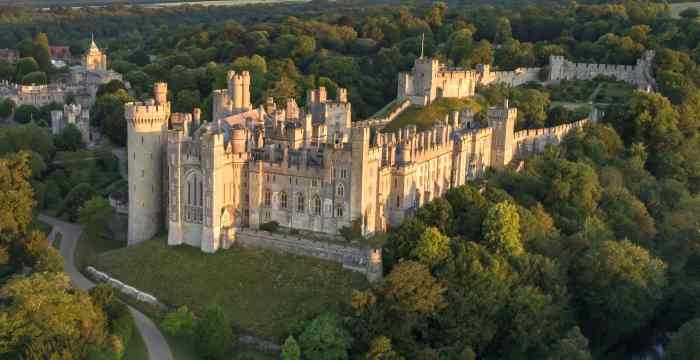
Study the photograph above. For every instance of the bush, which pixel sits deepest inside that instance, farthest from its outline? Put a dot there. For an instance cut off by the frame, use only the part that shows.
(213, 337)
(69, 139)
(179, 322)
(7, 106)
(35, 78)
(325, 338)
(271, 226)
(26, 113)
(290, 349)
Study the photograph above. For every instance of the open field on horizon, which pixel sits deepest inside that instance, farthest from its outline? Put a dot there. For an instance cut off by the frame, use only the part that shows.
(678, 7)
(150, 3)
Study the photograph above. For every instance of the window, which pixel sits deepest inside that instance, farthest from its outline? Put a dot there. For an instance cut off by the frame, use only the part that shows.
(267, 198)
(317, 205)
(398, 201)
(339, 211)
(283, 200)
(300, 202)
(343, 173)
(193, 208)
(341, 190)
(141, 140)
(314, 183)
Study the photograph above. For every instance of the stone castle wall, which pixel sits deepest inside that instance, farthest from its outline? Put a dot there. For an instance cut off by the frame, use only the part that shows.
(639, 75)
(535, 140)
(351, 257)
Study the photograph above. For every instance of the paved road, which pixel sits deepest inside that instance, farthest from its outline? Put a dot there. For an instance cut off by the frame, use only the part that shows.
(158, 348)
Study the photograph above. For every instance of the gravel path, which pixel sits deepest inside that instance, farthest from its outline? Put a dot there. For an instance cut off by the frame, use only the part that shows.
(156, 344)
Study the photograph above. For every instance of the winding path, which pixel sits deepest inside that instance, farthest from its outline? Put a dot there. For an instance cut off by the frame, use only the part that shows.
(156, 344)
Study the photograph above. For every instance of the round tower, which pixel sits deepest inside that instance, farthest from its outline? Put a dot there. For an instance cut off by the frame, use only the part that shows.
(239, 90)
(147, 125)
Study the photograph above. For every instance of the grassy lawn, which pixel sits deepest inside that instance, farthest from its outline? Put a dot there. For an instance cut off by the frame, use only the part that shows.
(425, 117)
(263, 292)
(87, 249)
(573, 90)
(614, 92)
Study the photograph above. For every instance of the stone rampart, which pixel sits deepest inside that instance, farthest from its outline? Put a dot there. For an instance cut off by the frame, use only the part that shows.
(125, 289)
(353, 258)
(535, 140)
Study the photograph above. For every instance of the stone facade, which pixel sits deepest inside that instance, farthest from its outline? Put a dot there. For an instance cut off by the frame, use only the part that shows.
(639, 75)
(72, 114)
(306, 168)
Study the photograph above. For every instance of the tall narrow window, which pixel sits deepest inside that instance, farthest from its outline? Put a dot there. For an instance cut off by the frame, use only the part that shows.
(268, 198)
(283, 200)
(341, 190)
(300, 202)
(317, 205)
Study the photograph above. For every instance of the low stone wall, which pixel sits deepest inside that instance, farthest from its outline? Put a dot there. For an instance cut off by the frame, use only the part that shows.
(353, 258)
(123, 288)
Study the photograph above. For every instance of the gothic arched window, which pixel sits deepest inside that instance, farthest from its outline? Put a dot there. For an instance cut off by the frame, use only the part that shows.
(283, 200)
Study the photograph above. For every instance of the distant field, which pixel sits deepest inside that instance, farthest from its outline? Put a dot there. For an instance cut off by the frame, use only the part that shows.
(78, 3)
(678, 7)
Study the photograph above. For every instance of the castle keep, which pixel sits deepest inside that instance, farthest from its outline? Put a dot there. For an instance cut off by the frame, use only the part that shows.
(309, 167)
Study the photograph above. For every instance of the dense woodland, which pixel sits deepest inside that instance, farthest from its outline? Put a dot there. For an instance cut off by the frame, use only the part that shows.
(592, 251)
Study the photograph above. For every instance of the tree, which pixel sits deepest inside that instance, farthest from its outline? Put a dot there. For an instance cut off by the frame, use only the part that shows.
(325, 338)
(95, 215)
(179, 322)
(411, 291)
(381, 349)
(41, 52)
(618, 285)
(574, 346)
(26, 113)
(7, 107)
(7, 70)
(502, 230)
(75, 199)
(437, 213)
(433, 247)
(290, 349)
(25, 66)
(35, 78)
(213, 337)
(689, 13)
(69, 139)
(45, 317)
(109, 115)
(685, 344)
(15, 193)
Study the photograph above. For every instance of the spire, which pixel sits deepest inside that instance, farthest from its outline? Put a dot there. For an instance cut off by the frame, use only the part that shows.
(93, 45)
(422, 44)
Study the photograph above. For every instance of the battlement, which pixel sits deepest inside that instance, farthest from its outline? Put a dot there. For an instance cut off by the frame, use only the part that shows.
(242, 78)
(137, 113)
(456, 74)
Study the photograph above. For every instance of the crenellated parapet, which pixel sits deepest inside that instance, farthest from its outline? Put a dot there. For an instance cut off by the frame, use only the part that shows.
(146, 116)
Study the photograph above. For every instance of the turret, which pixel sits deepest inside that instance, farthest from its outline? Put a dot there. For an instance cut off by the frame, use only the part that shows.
(147, 124)
(502, 121)
(160, 93)
(239, 90)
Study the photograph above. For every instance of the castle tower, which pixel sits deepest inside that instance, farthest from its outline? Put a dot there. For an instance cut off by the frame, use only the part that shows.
(147, 124)
(239, 90)
(502, 121)
(94, 59)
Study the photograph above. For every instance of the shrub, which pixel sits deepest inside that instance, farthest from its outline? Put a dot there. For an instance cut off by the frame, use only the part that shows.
(179, 322)
(290, 349)
(213, 337)
(271, 226)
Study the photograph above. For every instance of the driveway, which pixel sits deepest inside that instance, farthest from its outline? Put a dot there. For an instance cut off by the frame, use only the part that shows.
(158, 348)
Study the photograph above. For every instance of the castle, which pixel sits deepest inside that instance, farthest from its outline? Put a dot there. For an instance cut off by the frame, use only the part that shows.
(308, 168)
(72, 114)
(82, 81)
